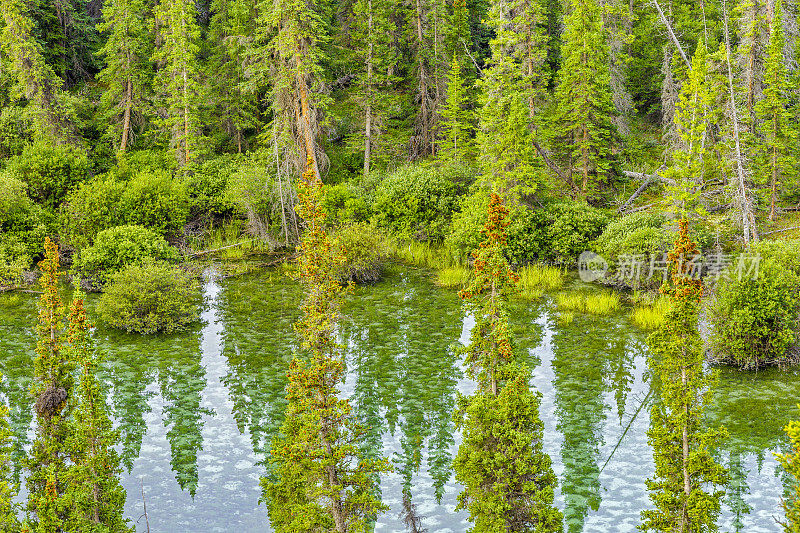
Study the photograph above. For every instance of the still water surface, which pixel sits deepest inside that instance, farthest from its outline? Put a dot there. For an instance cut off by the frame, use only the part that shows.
(198, 410)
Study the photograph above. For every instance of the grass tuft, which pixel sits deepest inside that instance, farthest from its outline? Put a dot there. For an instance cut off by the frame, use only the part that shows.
(651, 317)
(453, 277)
(599, 303)
(538, 279)
(565, 318)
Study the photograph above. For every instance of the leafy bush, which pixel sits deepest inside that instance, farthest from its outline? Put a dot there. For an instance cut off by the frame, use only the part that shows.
(118, 247)
(14, 260)
(364, 253)
(207, 184)
(755, 321)
(571, 229)
(131, 164)
(526, 233)
(345, 203)
(156, 201)
(150, 297)
(637, 233)
(22, 223)
(559, 232)
(90, 209)
(50, 171)
(16, 131)
(419, 202)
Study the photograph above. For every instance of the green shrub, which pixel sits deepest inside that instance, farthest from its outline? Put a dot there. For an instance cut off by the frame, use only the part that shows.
(49, 171)
(90, 209)
(150, 297)
(156, 201)
(14, 260)
(364, 252)
(207, 183)
(526, 233)
(418, 202)
(16, 131)
(754, 322)
(637, 233)
(118, 247)
(571, 229)
(131, 164)
(345, 203)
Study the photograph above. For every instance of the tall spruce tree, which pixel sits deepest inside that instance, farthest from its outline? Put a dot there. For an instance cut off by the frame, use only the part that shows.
(48, 460)
(322, 480)
(372, 45)
(685, 487)
(96, 497)
(779, 161)
(508, 478)
(505, 141)
(689, 166)
(34, 78)
(791, 464)
(127, 73)
(231, 28)
(177, 83)
(454, 144)
(287, 59)
(584, 134)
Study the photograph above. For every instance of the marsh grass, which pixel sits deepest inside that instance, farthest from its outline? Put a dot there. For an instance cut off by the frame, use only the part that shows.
(565, 317)
(453, 277)
(538, 279)
(595, 303)
(651, 317)
(230, 243)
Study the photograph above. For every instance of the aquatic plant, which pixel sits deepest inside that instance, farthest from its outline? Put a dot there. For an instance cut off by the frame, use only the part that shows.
(539, 277)
(452, 277)
(791, 464)
(595, 303)
(651, 316)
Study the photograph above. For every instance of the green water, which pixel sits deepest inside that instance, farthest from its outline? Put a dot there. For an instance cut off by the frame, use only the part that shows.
(198, 410)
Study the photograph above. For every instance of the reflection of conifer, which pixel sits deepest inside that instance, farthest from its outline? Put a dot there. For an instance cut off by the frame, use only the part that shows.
(8, 489)
(52, 387)
(323, 482)
(685, 467)
(97, 498)
(791, 463)
(508, 479)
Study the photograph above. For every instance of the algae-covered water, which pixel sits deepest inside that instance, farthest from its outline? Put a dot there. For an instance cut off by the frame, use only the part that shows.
(197, 410)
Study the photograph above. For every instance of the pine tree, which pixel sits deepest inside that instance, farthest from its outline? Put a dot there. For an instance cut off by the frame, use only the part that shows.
(753, 35)
(35, 80)
(691, 124)
(505, 142)
(777, 125)
(287, 58)
(96, 496)
(372, 45)
(791, 464)
(508, 479)
(685, 466)
(48, 460)
(126, 74)
(177, 81)
(232, 25)
(585, 136)
(455, 142)
(322, 482)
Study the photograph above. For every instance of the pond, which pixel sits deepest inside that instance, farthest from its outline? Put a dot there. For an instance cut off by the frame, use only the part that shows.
(197, 410)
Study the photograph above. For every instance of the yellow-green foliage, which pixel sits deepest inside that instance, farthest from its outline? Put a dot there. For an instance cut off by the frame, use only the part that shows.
(599, 303)
(540, 278)
(423, 254)
(565, 318)
(452, 277)
(651, 316)
(791, 464)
